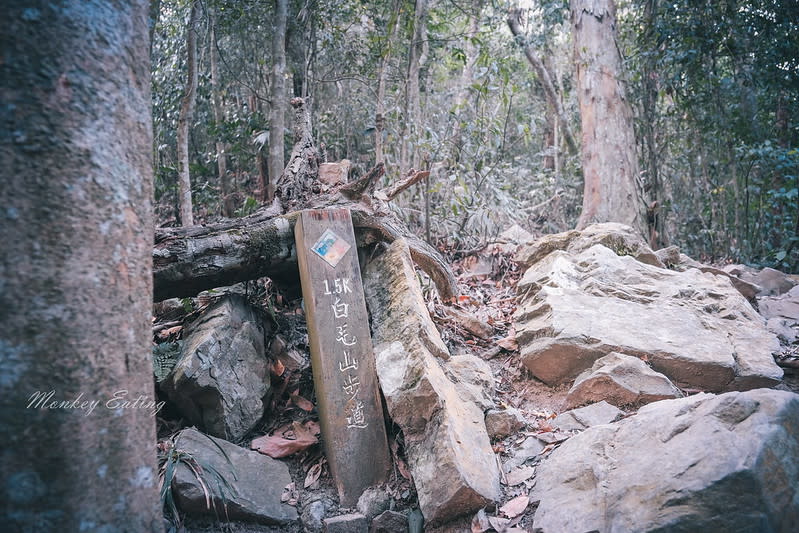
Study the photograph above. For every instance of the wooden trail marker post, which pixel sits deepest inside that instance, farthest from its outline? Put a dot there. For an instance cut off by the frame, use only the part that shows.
(342, 356)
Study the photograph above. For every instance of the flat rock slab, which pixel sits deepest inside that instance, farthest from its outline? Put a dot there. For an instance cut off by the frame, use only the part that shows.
(693, 327)
(222, 375)
(446, 443)
(389, 522)
(503, 422)
(257, 481)
(347, 523)
(702, 463)
(621, 380)
(585, 417)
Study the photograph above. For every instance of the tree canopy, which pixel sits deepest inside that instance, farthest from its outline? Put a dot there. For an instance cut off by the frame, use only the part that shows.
(714, 90)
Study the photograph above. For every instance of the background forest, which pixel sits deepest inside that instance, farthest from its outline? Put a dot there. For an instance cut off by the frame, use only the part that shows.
(445, 86)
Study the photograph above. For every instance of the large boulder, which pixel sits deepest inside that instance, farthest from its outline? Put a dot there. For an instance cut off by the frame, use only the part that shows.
(694, 327)
(222, 376)
(623, 240)
(702, 463)
(449, 454)
(252, 486)
(621, 380)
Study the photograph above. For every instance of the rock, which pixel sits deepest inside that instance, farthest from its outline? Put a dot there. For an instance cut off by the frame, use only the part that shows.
(783, 328)
(747, 289)
(669, 256)
(222, 376)
(470, 323)
(346, 523)
(473, 378)
(702, 463)
(621, 380)
(313, 514)
(783, 306)
(389, 522)
(623, 240)
(773, 282)
(373, 501)
(585, 417)
(503, 422)
(446, 444)
(257, 481)
(530, 448)
(691, 326)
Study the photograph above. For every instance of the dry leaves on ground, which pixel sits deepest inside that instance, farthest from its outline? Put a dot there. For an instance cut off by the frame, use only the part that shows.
(293, 438)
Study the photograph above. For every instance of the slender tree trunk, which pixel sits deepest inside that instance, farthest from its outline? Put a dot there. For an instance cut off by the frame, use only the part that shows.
(417, 54)
(277, 114)
(544, 78)
(467, 76)
(75, 304)
(610, 162)
(219, 118)
(154, 14)
(382, 74)
(185, 118)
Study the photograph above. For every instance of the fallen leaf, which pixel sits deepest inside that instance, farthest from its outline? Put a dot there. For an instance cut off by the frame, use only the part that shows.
(313, 474)
(302, 403)
(515, 507)
(480, 522)
(498, 523)
(277, 369)
(289, 492)
(165, 333)
(509, 343)
(281, 445)
(520, 475)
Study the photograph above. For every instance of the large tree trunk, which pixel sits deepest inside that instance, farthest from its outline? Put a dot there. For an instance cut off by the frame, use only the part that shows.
(76, 298)
(610, 162)
(185, 117)
(219, 118)
(277, 113)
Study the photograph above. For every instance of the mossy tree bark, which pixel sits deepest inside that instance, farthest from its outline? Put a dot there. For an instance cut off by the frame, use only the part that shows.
(75, 272)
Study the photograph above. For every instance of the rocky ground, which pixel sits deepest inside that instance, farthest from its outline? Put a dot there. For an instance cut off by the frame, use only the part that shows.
(580, 382)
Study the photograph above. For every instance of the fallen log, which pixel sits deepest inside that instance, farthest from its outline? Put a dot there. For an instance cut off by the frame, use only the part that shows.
(189, 260)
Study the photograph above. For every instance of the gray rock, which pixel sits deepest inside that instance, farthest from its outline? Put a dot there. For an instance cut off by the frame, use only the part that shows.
(773, 282)
(503, 422)
(669, 256)
(448, 450)
(313, 514)
(585, 417)
(473, 378)
(622, 380)
(373, 501)
(623, 240)
(693, 327)
(222, 376)
(702, 463)
(257, 481)
(389, 522)
(346, 523)
(529, 449)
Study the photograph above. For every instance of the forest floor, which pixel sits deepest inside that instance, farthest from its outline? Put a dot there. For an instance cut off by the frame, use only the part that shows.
(487, 282)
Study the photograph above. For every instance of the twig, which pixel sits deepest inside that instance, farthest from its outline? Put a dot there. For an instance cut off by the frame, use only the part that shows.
(364, 185)
(413, 178)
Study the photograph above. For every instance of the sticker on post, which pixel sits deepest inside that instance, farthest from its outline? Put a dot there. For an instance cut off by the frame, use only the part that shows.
(331, 247)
